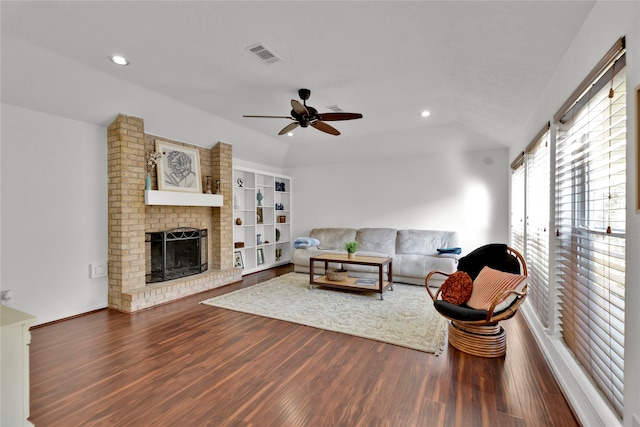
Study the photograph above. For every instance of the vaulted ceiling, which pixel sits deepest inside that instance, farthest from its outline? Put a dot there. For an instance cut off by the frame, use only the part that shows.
(479, 67)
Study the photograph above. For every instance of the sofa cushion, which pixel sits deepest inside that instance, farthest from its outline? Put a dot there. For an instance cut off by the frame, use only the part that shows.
(425, 242)
(421, 265)
(305, 242)
(302, 256)
(333, 238)
(377, 240)
(364, 268)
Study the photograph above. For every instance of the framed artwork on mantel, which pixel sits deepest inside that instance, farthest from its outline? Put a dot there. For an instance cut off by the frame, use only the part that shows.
(178, 168)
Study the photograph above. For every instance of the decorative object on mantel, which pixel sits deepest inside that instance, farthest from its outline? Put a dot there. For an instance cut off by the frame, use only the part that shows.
(152, 158)
(351, 248)
(217, 186)
(259, 196)
(179, 169)
(208, 186)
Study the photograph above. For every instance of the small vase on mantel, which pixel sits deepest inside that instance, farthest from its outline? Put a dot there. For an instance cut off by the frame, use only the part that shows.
(147, 182)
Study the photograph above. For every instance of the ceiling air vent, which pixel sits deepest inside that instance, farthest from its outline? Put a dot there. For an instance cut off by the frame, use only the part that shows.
(335, 108)
(263, 53)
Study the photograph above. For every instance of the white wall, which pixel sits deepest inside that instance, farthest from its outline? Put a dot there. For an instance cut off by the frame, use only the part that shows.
(54, 213)
(464, 192)
(608, 21)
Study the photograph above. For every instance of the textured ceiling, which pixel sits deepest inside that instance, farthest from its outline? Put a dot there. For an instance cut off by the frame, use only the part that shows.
(478, 66)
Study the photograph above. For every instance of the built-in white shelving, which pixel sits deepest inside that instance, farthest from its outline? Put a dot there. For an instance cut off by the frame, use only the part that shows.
(262, 219)
(177, 198)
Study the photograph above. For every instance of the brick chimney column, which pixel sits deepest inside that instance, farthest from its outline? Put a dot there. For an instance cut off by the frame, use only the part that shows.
(126, 217)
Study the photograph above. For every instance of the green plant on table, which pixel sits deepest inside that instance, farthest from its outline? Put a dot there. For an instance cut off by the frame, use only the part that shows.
(351, 247)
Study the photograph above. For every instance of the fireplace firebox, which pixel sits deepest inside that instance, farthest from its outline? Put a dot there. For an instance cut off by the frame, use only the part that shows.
(175, 253)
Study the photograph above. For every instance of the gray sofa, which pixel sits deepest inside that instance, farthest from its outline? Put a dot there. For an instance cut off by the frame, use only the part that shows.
(414, 252)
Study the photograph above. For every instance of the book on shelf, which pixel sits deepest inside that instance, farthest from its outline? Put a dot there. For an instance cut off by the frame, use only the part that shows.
(367, 282)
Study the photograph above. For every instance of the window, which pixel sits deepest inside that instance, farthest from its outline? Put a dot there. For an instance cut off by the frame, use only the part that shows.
(537, 223)
(590, 214)
(517, 204)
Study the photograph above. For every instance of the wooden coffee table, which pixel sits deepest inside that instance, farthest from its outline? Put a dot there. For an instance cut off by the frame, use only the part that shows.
(351, 283)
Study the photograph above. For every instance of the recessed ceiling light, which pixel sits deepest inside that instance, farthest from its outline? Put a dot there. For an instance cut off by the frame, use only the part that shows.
(120, 60)
(289, 133)
(425, 113)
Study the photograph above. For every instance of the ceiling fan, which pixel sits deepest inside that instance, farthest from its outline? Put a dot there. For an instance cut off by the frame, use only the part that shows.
(304, 115)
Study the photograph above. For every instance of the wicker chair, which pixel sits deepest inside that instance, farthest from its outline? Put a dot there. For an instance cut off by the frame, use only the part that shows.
(478, 332)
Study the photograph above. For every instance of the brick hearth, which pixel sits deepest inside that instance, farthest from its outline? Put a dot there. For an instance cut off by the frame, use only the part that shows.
(130, 219)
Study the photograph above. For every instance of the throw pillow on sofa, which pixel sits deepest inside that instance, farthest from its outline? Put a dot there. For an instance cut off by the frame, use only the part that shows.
(457, 288)
(305, 242)
(489, 284)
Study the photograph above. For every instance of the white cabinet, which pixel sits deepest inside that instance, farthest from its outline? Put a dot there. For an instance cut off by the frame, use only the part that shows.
(262, 219)
(14, 374)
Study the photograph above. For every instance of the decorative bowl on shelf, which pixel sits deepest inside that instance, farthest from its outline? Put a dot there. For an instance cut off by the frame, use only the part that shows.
(337, 275)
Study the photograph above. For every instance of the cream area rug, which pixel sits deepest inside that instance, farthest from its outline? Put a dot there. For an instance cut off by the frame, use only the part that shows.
(405, 317)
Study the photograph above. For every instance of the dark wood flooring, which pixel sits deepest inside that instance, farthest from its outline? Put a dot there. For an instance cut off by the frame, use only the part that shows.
(187, 364)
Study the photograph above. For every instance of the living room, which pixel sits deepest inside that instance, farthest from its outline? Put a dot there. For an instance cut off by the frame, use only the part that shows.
(395, 179)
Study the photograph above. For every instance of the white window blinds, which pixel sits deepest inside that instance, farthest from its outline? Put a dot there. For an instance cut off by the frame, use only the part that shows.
(590, 220)
(517, 204)
(537, 223)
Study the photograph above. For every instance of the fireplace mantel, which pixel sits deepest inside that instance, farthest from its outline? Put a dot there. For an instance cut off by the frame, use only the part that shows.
(177, 198)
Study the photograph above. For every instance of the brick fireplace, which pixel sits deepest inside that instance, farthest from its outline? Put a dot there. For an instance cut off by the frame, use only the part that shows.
(129, 219)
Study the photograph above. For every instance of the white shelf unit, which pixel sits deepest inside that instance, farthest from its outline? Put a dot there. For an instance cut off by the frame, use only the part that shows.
(264, 227)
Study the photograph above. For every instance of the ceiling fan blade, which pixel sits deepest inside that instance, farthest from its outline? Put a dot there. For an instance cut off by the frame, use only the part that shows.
(325, 128)
(288, 128)
(299, 108)
(272, 117)
(327, 117)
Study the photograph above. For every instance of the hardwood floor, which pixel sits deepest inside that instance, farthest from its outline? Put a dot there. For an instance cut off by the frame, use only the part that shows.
(187, 364)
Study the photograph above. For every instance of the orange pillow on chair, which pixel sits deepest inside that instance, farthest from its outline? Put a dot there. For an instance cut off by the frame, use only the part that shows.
(489, 284)
(457, 288)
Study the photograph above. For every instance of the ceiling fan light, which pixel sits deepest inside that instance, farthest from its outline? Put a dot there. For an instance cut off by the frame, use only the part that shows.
(119, 60)
(289, 133)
